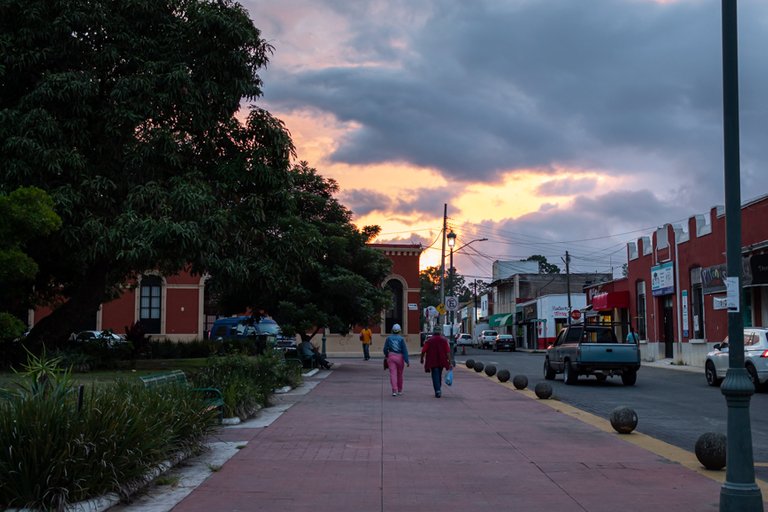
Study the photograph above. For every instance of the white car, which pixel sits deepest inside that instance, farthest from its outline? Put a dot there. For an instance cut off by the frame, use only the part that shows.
(464, 340)
(755, 358)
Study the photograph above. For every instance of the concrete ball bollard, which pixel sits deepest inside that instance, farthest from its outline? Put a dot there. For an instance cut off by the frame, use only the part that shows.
(470, 363)
(710, 450)
(503, 375)
(520, 382)
(490, 370)
(623, 420)
(543, 390)
(479, 366)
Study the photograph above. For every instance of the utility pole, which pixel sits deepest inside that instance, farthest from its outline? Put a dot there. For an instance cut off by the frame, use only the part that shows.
(442, 263)
(739, 492)
(568, 283)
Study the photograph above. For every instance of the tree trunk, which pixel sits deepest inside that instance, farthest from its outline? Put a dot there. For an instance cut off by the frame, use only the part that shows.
(55, 329)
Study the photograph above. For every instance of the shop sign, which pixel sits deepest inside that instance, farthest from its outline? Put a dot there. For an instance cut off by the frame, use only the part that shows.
(758, 263)
(529, 312)
(663, 279)
(560, 311)
(713, 278)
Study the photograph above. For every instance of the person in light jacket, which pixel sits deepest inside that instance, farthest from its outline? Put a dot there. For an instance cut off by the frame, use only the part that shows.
(396, 352)
(436, 356)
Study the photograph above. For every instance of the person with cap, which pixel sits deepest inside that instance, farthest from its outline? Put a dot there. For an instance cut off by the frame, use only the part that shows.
(396, 353)
(436, 356)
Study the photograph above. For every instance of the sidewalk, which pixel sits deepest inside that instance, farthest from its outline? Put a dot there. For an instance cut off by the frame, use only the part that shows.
(345, 445)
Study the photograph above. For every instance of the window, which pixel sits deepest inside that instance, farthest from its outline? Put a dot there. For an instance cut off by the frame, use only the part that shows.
(150, 300)
(697, 304)
(641, 327)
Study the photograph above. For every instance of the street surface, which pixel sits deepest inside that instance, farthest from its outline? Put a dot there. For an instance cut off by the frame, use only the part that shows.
(674, 406)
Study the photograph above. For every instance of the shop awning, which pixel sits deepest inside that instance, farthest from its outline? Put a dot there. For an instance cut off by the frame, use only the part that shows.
(501, 319)
(611, 300)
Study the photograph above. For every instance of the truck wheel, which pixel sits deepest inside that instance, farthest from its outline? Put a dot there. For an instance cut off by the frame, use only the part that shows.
(549, 373)
(570, 376)
(711, 374)
(628, 378)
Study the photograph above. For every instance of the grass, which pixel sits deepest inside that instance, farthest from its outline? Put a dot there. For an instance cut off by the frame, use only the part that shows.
(132, 370)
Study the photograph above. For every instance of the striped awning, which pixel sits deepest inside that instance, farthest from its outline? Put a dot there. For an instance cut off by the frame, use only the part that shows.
(501, 319)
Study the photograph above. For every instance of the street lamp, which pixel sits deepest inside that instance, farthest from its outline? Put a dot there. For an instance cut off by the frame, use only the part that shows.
(739, 491)
(452, 317)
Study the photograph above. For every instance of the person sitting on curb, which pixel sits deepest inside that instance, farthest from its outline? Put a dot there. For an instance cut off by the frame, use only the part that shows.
(309, 352)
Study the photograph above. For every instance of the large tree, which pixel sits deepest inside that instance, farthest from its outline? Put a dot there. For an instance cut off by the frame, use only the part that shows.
(125, 113)
(339, 282)
(25, 214)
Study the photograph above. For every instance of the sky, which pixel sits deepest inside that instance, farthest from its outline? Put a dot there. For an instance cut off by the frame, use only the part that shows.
(546, 126)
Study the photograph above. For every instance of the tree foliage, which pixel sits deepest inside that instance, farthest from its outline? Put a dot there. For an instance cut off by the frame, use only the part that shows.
(338, 284)
(544, 266)
(125, 113)
(25, 214)
(429, 281)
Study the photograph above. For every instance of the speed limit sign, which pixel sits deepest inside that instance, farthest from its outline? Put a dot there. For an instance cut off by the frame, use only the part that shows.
(451, 303)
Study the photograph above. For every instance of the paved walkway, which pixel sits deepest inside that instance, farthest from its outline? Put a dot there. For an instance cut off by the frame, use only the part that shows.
(343, 443)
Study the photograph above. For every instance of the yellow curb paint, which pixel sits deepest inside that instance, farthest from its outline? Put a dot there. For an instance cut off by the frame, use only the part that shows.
(646, 442)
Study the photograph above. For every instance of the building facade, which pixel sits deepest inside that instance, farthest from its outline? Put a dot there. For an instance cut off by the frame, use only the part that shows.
(677, 283)
(174, 307)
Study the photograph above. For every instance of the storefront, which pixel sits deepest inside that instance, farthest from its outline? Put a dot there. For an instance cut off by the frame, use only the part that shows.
(543, 318)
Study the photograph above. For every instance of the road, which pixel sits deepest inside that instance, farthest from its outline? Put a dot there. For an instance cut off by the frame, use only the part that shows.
(674, 406)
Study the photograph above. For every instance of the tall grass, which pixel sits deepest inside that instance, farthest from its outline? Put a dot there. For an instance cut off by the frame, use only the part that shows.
(51, 454)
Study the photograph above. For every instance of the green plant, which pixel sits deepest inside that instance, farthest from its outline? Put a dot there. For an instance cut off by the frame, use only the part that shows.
(53, 453)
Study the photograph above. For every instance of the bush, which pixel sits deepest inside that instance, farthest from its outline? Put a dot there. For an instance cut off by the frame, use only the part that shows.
(52, 454)
(247, 382)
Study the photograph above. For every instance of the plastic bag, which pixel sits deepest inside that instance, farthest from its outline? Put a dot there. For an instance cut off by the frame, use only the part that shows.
(449, 377)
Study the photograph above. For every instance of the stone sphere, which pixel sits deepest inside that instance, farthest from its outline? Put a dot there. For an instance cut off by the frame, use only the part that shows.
(710, 450)
(623, 420)
(520, 382)
(479, 366)
(543, 390)
(490, 370)
(470, 363)
(503, 375)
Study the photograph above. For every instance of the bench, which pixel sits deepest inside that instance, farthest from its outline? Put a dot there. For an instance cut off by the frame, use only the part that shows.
(213, 396)
(294, 356)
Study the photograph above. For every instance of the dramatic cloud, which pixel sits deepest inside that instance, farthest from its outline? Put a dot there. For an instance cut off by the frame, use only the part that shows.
(608, 113)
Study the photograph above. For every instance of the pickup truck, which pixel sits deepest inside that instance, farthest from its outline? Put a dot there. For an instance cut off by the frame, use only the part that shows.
(591, 350)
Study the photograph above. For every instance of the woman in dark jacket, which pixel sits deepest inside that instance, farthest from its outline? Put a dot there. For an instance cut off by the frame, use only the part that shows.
(436, 355)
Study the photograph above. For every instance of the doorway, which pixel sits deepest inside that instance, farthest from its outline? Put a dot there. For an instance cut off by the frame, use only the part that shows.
(668, 328)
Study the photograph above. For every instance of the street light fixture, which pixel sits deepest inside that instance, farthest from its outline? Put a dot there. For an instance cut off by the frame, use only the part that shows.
(452, 317)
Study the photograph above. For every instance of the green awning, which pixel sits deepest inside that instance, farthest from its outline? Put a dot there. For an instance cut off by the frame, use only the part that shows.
(501, 319)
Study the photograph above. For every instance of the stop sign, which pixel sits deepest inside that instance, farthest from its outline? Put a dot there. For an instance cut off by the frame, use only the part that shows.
(575, 314)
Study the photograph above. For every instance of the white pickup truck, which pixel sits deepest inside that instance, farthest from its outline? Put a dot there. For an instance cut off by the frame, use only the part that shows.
(487, 338)
(591, 350)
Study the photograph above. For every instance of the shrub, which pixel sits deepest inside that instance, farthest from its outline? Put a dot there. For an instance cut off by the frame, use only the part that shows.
(52, 454)
(247, 382)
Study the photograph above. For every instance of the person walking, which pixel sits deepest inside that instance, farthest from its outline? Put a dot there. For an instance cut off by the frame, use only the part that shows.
(396, 352)
(436, 356)
(365, 337)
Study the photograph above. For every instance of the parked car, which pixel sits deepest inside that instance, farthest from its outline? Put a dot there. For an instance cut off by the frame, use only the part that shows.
(487, 338)
(244, 327)
(108, 337)
(755, 358)
(464, 340)
(504, 342)
(591, 350)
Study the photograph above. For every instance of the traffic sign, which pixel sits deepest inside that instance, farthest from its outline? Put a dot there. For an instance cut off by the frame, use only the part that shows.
(575, 314)
(451, 303)
(441, 309)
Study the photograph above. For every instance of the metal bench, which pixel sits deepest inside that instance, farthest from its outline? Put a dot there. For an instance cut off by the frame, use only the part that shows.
(213, 396)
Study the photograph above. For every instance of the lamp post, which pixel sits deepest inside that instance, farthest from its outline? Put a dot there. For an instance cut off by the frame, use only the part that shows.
(451, 243)
(739, 491)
